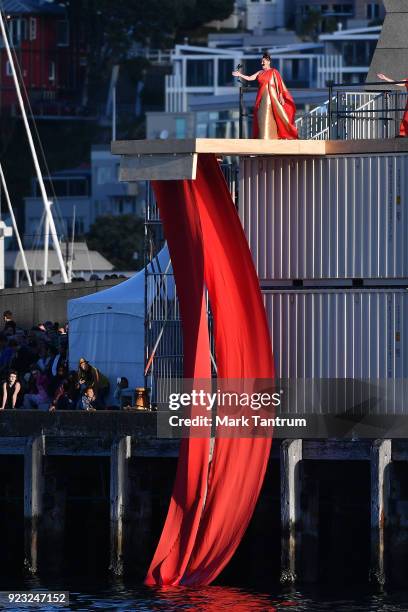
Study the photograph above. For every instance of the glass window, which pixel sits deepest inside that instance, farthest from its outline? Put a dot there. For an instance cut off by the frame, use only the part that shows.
(33, 28)
(103, 175)
(200, 73)
(24, 29)
(51, 74)
(180, 127)
(78, 187)
(373, 10)
(62, 33)
(225, 68)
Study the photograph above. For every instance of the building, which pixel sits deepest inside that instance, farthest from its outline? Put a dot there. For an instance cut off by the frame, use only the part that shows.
(267, 14)
(346, 14)
(199, 71)
(52, 58)
(109, 196)
(83, 194)
(369, 10)
(356, 47)
(70, 194)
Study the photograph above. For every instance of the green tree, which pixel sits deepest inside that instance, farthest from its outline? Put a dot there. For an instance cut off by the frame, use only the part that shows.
(118, 238)
(113, 26)
(311, 25)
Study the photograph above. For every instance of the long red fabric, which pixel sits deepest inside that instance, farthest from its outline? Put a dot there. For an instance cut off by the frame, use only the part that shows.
(211, 533)
(183, 232)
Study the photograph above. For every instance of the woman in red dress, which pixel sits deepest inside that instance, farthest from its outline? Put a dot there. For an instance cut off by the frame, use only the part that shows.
(404, 123)
(274, 111)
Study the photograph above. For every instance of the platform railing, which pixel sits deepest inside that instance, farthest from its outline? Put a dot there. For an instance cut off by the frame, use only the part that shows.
(348, 113)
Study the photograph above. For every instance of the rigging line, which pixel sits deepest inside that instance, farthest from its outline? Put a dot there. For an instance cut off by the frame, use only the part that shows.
(57, 209)
(35, 245)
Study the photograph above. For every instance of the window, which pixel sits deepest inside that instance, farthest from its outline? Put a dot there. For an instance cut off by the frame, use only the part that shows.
(200, 73)
(62, 33)
(79, 226)
(225, 67)
(180, 127)
(51, 73)
(103, 175)
(373, 10)
(33, 28)
(21, 29)
(18, 31)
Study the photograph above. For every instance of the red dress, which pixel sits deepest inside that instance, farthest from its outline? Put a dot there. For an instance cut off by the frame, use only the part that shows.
(275, 109)
(404, 123)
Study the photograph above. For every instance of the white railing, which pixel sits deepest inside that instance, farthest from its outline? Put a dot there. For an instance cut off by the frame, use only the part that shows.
(329, 68)
(155, 56)
(355, 115)
(176, 95)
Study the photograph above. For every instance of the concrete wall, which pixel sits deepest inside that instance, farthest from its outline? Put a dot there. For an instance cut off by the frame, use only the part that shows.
(32, 305)
(391, 54)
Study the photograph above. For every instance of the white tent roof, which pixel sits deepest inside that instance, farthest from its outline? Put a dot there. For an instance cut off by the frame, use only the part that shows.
(107, 327)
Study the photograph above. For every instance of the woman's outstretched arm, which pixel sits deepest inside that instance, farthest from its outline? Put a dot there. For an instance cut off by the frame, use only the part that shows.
(383, 77)
(239, 74)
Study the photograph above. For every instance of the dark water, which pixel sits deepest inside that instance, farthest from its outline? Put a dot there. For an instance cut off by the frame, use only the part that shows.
(118, 595)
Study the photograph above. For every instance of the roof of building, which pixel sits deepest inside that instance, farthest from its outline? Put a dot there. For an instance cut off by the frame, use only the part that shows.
(31, 7)
(84, 260)
(243, 39)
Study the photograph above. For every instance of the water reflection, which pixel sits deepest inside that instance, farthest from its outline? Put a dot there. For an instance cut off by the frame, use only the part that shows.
(123, 596)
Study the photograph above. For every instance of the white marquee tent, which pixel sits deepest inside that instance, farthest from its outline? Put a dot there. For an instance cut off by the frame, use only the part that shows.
(107, 328)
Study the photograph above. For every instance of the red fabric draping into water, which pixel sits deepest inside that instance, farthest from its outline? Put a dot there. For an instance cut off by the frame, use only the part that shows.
(204, 209)
(183, 232)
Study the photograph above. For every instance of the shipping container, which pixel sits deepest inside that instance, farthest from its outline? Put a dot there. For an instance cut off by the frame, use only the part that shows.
(352, 335)
(333, 217)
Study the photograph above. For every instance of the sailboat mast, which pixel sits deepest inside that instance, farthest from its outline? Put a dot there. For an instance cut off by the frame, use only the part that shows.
(14, 222)
(71, 254)
(44, 196)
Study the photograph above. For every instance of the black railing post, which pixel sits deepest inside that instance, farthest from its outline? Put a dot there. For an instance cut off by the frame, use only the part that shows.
(241, 110)
(330, 86)
(385, 116)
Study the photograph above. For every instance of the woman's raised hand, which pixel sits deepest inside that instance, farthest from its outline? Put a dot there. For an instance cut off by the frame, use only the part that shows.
(236, 73)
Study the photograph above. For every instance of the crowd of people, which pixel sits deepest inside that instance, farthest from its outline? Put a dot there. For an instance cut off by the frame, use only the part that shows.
(35, 373)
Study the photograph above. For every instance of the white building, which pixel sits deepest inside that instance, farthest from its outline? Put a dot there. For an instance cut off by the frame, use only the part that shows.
(199, 71)
(264, 15)
(356, 46)
(83, 194)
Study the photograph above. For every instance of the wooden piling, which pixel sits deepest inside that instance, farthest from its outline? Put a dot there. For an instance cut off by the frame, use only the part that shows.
(381, 458)
(33, 500)
(119, 501)
(291, 455)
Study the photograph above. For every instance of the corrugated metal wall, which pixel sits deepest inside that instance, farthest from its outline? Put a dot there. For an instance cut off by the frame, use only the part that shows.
(332, 217)
(329, 333)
